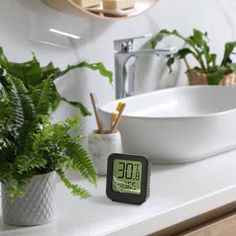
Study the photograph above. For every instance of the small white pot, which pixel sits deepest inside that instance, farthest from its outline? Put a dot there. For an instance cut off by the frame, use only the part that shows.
(36, 207)
(100, 146)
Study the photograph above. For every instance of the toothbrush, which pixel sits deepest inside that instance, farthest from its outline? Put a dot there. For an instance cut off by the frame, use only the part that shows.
(116, 113)
(120, 108)
(98, 119)
(113, 118)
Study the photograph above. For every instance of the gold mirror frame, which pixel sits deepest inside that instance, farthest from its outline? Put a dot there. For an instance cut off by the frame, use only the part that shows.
(72, 7)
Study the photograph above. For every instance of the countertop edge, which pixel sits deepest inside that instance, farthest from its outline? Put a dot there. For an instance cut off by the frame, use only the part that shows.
(178, 214)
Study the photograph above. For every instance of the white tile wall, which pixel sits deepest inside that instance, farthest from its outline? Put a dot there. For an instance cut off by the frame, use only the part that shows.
(24, 21)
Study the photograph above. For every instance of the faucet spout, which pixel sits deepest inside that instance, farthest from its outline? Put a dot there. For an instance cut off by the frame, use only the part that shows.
(168, 52)
(125, 68)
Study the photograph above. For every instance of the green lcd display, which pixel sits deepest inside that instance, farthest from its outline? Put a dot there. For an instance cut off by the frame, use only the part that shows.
(127, 176)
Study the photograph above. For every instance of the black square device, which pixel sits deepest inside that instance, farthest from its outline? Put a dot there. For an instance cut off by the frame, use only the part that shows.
(128, 178)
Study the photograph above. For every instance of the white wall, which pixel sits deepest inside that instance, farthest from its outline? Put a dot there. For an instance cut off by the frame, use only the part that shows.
(23, 21)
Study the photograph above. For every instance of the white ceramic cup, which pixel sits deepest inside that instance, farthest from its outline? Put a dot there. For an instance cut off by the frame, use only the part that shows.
(100, 146)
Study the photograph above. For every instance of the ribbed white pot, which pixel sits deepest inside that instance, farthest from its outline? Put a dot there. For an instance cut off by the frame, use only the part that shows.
(36, 207)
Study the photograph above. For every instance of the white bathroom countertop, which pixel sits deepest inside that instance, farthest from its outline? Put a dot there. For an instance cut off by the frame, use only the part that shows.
(178, 192)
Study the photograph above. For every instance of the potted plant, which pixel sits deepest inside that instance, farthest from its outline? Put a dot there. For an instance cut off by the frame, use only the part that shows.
(208, 71)
(32, 148)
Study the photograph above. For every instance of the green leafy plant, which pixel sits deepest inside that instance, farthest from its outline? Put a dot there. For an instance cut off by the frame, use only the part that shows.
(197, 45)
(30, 144)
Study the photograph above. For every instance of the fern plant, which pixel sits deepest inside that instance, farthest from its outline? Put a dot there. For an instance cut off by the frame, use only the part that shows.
(30, 144)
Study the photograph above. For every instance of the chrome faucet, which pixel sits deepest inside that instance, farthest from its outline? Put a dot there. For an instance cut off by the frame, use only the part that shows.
(125, 60)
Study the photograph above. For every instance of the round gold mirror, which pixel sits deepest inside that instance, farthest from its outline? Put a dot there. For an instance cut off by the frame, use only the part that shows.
(112, 9)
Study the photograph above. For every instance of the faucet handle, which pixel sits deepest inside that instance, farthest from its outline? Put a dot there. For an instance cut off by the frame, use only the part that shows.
(126, 45)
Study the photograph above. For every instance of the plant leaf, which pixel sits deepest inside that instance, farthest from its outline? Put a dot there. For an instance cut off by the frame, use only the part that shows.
(21, 112)
(182, 53)
(26, 163)
(80, 160)
(45, 97)
(83, 109)
(215, 75)
(229, 47)
(199, 38)
(29, 72)
(75, 189)
(212, 59)
(232, 66)
(93, 66)
(194, 42)
(6, 170)
(164, 33)
(50, 71)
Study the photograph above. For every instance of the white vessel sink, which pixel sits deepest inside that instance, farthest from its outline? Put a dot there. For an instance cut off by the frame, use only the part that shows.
(179, 124)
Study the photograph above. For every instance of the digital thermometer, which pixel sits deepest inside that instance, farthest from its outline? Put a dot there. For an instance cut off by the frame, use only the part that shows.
(128, 178)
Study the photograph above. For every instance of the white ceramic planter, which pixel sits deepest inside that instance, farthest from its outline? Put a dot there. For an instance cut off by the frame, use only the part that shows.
(100, 146)
(36, 207)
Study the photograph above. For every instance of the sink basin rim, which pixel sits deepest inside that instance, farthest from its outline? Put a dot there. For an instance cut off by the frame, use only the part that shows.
(105, 108)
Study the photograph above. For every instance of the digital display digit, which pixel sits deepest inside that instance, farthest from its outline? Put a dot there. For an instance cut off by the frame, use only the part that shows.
(127, 176)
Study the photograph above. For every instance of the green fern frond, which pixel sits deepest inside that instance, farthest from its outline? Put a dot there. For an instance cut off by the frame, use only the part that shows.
(14, 190)
(15, 112)
(17, 186)
(80, 160)
(75, 189)
(6, 170)
(3, 113)
(18, 118)
(44, 97)
(26, 163)
(21, 109)
(21, 105)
